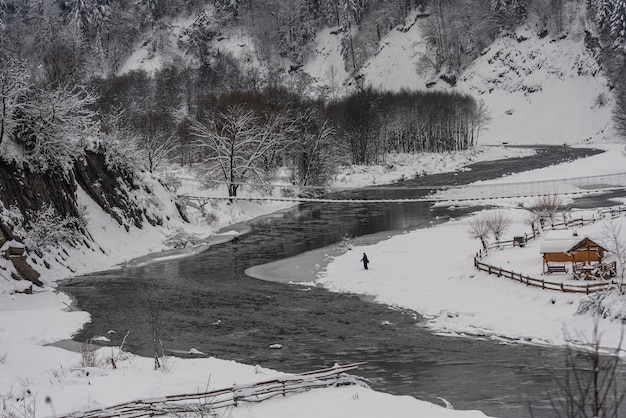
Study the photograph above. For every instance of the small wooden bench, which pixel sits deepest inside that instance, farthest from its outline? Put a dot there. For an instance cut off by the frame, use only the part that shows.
(557, 269)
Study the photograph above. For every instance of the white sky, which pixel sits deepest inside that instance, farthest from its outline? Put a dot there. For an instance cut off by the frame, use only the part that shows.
(438, 282)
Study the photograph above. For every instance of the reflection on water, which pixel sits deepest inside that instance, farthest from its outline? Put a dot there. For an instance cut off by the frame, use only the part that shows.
(209, 304)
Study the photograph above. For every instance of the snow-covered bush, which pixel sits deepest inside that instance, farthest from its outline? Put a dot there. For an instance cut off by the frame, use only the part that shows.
(209, 215)
(11, 216)
(170, 181)
(21, 402)
(89, 355)
(610, 304)
(48, 229)
(181, 239)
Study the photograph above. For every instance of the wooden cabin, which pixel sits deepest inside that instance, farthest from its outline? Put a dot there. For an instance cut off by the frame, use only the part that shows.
(565, 248)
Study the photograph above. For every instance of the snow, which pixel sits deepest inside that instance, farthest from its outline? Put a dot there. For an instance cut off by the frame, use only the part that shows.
(440, 282)
(394, 67)
(532, 84)
(539, 91)
(561, 241)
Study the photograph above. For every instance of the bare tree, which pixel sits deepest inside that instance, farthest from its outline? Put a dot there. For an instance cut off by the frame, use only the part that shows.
(332, 81)
(614, 237)
(480, 229)
(316, 154)
(593, 385)
(544, 207)
(157, 149)
(479, 120)
(619, 110)
(531, 220)
(237, 144)
(156, 326)
(154, 138)
(499, 221)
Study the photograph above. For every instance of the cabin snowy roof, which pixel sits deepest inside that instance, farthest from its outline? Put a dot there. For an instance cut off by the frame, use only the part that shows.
(562, 241)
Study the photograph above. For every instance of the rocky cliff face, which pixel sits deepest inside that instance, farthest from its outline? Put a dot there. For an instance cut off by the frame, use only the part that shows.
(30, 192)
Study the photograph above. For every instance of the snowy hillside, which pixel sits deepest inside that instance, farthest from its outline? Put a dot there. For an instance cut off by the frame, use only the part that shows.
(529, 84)
(541, 91)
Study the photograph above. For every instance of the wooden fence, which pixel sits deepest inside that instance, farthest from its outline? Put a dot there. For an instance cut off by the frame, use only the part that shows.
(545, 284)
(206, 402)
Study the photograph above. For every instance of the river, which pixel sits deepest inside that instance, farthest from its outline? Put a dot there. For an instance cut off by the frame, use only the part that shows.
(208, 303)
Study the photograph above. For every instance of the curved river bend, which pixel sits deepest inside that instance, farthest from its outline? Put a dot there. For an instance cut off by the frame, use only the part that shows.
(208, 303)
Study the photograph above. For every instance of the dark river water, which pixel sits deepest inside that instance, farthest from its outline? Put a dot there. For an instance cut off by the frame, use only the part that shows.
(208, 303)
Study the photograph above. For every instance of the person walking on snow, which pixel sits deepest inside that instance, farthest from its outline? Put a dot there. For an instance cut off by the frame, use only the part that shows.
(365, 261)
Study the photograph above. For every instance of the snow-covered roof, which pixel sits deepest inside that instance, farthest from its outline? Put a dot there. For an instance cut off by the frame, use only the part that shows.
(560, 241)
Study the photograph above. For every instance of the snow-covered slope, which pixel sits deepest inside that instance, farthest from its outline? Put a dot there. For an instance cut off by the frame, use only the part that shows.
(541, 91)
(538, 90)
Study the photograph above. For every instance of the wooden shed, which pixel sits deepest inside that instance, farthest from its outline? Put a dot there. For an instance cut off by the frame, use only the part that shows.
(565, 247)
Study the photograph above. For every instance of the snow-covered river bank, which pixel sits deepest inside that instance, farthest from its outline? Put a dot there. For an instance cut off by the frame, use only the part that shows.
(46, 371)
(209, 305)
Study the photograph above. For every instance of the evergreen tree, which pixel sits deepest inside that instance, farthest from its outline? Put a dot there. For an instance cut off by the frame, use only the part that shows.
(604, 11)
(618, 24)
(509, 13)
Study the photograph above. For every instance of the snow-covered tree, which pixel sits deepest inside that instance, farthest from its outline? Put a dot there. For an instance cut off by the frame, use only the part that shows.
(120, 150)
(88, 17)
(618, 24)
(237, 144)
(52, 126)
(14, 84)
(356, 8)
(509, 13)
(603, 13)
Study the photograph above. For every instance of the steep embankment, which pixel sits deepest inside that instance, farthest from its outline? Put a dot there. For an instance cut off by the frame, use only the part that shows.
(121, 197)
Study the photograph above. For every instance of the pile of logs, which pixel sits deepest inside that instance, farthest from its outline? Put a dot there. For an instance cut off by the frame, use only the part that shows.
(205, 402)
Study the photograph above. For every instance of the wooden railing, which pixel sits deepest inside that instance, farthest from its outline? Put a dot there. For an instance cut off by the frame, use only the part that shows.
(545, 284)
(205, 403)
